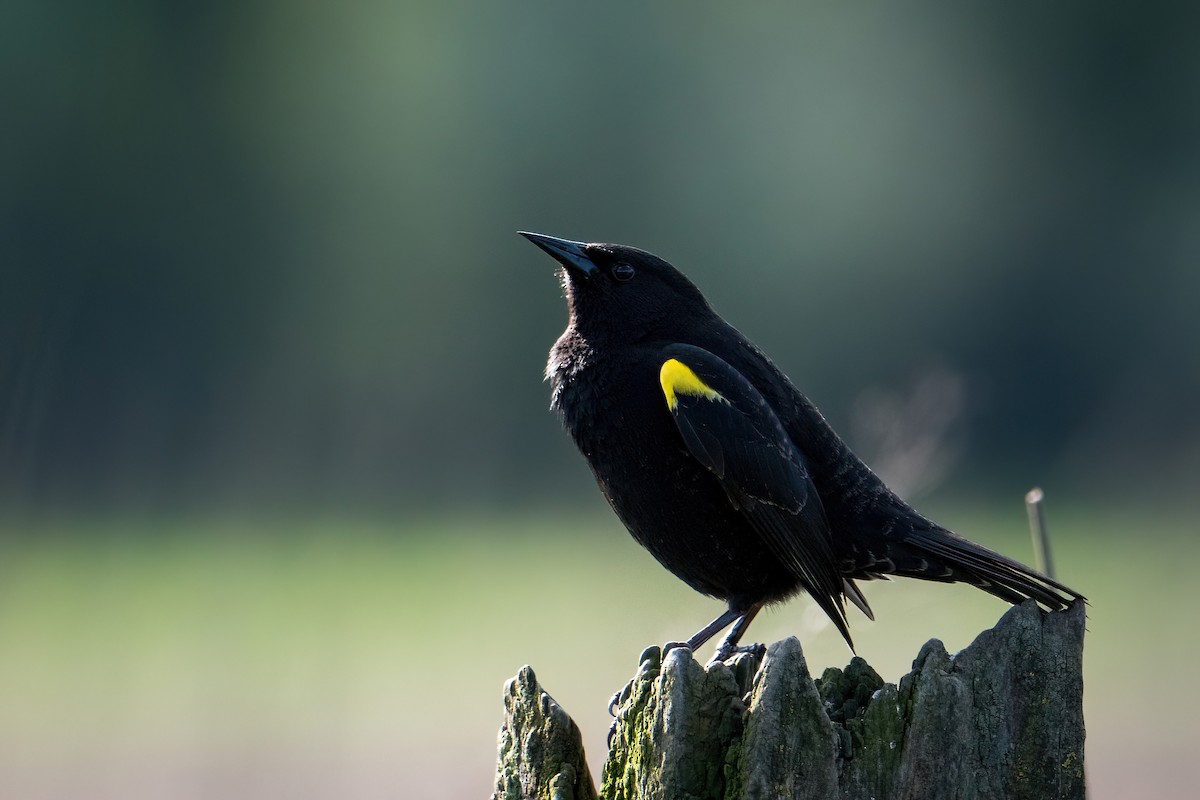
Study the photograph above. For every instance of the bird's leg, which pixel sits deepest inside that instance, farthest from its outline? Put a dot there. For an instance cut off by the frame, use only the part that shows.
(729, 645)
(707, 632)
(740, 619)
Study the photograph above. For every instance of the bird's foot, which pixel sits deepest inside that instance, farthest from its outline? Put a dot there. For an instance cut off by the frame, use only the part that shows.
(758, 650)
(614, 707)
(615, 701)
(649, 664)
(650, 659)
(727, 651)
(612, 731)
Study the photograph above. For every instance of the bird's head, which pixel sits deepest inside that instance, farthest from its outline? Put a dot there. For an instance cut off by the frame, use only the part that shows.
(619, 292)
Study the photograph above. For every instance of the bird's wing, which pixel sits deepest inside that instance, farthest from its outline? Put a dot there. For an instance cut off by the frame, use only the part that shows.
(728, 426)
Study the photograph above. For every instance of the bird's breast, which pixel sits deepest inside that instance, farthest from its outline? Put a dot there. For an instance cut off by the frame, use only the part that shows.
(616, 413)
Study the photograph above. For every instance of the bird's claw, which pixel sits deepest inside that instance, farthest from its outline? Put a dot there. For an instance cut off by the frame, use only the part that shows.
(758, 650)
(614, 702)
(727, 651)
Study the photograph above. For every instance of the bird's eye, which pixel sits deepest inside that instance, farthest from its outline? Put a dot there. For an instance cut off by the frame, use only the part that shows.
(623, 272)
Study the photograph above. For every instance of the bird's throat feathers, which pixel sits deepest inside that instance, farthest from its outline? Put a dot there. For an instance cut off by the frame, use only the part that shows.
(569, 356)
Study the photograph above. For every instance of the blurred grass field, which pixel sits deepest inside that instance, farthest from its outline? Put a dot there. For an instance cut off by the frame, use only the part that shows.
(364, 658)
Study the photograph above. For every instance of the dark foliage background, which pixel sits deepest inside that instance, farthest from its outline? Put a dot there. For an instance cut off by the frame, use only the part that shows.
(265, 253)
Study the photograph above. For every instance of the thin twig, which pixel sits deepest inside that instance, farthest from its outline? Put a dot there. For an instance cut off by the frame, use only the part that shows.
(1037, 529)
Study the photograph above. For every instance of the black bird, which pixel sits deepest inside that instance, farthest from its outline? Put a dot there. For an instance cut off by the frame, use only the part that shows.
(721, 468)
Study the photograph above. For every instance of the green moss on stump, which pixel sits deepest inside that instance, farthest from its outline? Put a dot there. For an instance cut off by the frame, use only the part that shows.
(673, 730)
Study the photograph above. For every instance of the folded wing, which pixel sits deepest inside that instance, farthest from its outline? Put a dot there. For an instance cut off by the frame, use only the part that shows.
(728, 426)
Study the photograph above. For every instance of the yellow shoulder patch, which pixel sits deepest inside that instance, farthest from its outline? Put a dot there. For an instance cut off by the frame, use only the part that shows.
(677, 378)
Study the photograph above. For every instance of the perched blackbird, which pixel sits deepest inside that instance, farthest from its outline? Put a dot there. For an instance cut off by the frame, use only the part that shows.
(720, 467)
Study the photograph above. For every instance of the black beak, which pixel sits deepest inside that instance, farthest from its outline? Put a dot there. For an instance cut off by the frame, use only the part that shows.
(572, 255)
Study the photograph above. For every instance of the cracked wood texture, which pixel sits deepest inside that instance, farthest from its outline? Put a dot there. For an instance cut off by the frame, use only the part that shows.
(1003, 718)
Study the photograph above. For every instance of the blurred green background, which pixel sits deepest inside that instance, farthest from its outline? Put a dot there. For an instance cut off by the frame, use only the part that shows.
(281, 505)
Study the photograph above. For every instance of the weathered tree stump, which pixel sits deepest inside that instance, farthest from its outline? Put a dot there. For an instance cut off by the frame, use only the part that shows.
(1001, 719)
(541, 750)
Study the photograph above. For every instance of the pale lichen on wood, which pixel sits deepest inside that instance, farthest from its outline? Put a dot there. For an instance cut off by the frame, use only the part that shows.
(541, 750)
(1001, 719)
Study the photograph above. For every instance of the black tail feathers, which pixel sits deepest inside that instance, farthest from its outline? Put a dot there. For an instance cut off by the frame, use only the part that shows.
(949, 557)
